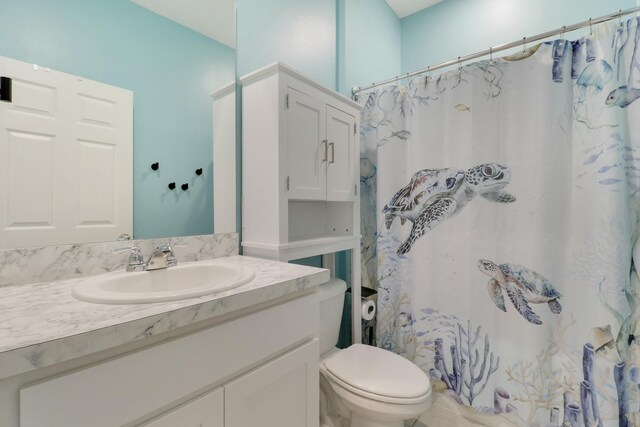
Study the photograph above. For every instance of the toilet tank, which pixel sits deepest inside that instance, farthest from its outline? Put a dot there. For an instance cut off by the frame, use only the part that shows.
(331, 303)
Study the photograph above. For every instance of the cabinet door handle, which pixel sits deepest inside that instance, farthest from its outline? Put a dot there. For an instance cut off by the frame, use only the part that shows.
(333, 152)
(326, 149)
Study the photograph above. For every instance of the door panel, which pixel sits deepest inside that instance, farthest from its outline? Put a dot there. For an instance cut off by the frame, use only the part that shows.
(97, 195)
(30, 171)
(305, 148)
(340, 165)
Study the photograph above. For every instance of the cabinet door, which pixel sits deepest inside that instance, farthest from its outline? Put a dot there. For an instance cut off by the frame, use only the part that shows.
(341, 155)
(282, 393)
(306, 147)
(203, 411)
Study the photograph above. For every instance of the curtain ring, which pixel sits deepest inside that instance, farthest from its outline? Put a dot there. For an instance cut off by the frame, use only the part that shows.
(564, 29)
(459, 66)
(524, 45)
(491, 55)
(620, 18)
(428, 77)
(590, 27)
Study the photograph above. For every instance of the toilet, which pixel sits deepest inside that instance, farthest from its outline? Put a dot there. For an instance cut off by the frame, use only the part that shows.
(364, 386)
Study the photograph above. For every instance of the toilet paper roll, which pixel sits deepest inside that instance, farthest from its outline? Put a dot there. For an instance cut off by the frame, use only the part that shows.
(368, 310)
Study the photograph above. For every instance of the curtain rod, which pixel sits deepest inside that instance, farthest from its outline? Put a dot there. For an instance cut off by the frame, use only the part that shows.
(522, 42)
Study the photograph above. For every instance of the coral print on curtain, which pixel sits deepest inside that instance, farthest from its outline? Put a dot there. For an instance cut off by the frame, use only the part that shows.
(500, 216)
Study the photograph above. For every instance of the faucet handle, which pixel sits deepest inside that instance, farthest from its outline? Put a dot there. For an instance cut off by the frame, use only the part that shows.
(172, 261)
(136, 259)
(168, 248)
(170, 245)
(133, 249)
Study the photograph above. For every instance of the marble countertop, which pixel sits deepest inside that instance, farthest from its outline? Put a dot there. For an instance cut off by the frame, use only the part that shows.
(42, 324)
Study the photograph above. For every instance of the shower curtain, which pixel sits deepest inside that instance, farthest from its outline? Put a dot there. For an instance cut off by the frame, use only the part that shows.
(500, 206)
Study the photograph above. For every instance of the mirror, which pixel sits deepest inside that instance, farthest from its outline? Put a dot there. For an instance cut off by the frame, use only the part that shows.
(173, 58)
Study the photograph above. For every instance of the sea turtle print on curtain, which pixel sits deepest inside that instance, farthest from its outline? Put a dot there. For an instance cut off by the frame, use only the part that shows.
(554, 341)
(523, 286)
(434, 195)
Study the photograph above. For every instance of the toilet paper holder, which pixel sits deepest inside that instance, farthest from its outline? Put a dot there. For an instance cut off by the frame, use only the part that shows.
(369, 304)
(368, 294)
(368, 326)
(369, 299)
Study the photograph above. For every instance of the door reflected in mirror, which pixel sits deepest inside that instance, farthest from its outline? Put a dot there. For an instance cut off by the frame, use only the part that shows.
(171, 63)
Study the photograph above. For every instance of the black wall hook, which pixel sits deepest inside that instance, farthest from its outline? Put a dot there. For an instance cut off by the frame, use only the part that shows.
(184, 187)
(6, 89)
(172, 185)
(199, 171)
(155, 166)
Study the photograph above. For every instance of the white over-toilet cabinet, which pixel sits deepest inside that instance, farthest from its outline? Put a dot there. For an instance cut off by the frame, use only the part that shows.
(300, 158)
(300, 171)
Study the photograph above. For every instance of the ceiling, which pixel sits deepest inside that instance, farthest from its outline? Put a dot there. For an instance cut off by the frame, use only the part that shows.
(404, 8)
(213, 18)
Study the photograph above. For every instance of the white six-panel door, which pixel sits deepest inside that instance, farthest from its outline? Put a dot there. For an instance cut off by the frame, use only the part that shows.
(66, 159)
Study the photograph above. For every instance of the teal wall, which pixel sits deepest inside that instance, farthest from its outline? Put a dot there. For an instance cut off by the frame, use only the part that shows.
(335, 42)
(459, 27)
(171, 71)
(371, 39)
(299, 33)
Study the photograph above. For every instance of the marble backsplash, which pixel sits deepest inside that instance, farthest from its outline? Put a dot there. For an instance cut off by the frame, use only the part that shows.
(44, 264)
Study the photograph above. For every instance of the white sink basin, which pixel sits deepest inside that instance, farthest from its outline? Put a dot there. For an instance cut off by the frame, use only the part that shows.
(186, 280)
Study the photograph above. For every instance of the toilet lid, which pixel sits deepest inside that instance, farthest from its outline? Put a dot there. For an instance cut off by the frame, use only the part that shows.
(378, 371)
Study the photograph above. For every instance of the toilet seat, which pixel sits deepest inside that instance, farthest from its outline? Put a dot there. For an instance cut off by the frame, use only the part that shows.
(396, 380)
(376, 397)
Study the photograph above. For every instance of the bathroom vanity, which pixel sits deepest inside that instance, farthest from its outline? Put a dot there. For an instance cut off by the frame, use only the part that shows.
(243, 357)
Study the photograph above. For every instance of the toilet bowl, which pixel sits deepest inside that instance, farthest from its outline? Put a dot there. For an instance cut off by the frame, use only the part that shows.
(364, 386)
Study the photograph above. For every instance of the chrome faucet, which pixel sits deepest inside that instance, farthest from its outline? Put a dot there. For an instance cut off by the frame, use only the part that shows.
(161, 257)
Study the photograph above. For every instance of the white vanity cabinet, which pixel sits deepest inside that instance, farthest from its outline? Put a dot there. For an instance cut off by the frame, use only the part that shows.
(276, 394)
(259, 368)
(300, 145)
